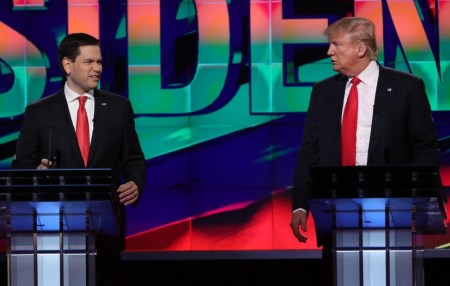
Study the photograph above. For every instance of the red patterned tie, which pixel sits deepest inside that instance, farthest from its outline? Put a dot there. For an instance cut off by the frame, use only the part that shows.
(82, 129)
(348, 128)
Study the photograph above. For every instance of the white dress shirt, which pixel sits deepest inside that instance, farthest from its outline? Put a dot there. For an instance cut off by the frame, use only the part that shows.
(366, 99)
(73, 103)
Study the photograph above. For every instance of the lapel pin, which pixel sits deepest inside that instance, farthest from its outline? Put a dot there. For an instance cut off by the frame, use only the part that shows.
(103, 103)
(389, 89)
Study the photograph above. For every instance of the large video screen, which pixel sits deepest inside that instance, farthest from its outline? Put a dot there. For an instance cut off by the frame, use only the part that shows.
(219, 89)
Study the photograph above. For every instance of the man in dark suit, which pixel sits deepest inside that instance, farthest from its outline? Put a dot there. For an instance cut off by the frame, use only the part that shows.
(393, 122)
(48, 136)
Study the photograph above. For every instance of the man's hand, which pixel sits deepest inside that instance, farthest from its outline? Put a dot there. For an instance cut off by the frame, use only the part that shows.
(299, 219)
(128, 193)
(45, 164)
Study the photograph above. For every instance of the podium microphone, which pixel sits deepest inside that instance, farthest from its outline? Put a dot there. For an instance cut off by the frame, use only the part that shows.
(53, 159)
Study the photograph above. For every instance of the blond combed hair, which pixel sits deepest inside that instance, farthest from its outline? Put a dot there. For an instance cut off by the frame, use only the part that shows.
(359, 29)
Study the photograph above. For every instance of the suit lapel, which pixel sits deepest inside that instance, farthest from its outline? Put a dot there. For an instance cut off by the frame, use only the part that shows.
(100, 115)
(383, 98)
(336, 114)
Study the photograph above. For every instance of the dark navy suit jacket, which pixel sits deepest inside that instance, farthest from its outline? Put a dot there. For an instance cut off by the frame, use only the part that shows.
(403, 131)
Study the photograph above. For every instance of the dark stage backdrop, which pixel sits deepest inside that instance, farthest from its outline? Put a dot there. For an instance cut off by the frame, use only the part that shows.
(220, 89)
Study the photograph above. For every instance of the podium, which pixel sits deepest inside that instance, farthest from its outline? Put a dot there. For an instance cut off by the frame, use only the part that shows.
(377, 217)
(51, 218)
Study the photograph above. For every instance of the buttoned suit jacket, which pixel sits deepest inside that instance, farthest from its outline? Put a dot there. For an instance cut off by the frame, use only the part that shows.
(402, 133)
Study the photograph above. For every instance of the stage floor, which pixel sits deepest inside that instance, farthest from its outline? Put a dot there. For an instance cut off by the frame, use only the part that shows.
(246, 268)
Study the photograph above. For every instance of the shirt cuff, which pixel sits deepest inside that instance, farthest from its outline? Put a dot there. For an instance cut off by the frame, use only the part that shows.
(299, 209)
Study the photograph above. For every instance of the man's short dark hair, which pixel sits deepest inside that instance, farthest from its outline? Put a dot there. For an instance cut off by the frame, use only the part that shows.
(69, 46)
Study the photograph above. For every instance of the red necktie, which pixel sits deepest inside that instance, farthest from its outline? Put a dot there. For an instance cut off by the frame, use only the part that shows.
(348, 128)
(82, 129)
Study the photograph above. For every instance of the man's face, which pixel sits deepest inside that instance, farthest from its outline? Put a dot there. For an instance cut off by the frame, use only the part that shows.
(84, 73)
(344, 54)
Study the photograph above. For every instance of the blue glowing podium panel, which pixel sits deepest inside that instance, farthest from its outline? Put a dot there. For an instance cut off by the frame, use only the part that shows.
(428, 217)
(378, 198)
(58, 200)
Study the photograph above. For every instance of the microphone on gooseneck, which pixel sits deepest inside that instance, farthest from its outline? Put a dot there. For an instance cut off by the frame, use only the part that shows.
(55, 157)
(50, 134)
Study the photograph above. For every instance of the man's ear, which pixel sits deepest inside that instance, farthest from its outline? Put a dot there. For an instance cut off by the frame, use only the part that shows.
(67, 65)
(361, 50)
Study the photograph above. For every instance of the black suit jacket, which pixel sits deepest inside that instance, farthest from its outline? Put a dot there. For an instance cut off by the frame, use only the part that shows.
(47, 130)
(402, 133)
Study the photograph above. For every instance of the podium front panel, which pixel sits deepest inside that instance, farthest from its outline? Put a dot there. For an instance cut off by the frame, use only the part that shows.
(376, 216)
(51, 219)
(427, 211)
(45, 193)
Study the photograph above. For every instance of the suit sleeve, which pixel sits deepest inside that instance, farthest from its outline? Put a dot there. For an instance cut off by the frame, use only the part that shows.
(28, 149)
(308, 155)
(422, 128)
(132, 158)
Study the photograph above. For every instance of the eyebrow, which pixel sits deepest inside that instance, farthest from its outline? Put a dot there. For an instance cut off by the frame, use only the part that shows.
(92, 60)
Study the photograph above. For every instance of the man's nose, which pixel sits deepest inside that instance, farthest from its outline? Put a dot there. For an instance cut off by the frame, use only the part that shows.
(330, 51)
(97, 66)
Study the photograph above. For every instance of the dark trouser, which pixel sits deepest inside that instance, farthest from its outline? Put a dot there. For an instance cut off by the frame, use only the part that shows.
(108, 261)
(326, 273)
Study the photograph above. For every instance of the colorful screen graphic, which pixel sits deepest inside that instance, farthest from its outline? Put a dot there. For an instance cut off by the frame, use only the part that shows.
(219, 89)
